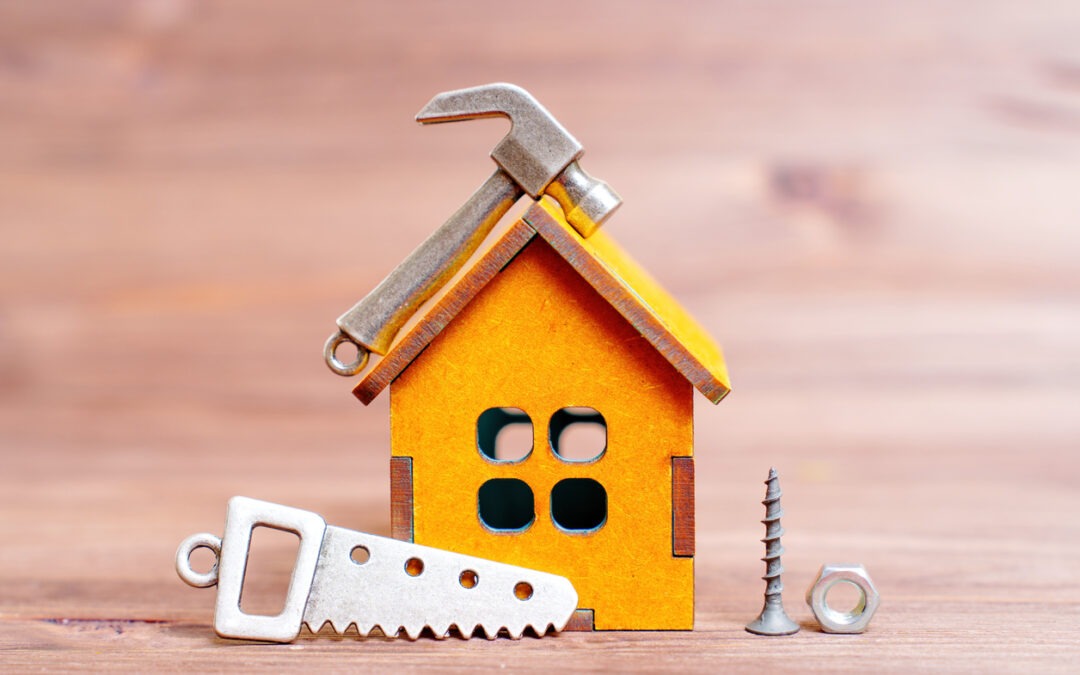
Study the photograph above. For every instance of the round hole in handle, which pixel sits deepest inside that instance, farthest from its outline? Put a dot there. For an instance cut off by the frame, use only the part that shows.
(203, 559)
(183, 560)
(468, 579)
(414, 567)
(523, 590)
(360, 555)
(330, 355)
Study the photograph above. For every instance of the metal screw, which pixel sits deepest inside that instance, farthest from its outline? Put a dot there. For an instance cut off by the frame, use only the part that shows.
(773, 620)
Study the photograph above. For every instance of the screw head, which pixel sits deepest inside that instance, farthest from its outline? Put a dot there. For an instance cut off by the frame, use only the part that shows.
(773, 620)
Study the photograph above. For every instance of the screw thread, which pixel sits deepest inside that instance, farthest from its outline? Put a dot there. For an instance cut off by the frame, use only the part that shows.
(773, 620)
(773, 532)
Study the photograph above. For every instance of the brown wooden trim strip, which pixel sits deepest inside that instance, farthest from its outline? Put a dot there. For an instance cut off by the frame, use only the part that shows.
(401, 498)
(682, 506)
(438, 317)
(581, 620)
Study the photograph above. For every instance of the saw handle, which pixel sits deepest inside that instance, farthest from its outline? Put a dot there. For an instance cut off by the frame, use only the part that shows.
(243, 516)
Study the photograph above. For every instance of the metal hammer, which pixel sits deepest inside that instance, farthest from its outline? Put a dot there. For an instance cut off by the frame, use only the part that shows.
(537, 157)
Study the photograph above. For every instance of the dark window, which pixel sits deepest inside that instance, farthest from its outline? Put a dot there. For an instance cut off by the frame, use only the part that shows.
(578, 434)
(504, 434)
(578, 504)
(506, 504)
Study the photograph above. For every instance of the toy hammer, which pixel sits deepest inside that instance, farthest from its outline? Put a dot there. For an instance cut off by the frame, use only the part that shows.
(537, 157)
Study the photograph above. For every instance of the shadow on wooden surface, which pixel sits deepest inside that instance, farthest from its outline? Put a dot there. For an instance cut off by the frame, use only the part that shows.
(872, 208)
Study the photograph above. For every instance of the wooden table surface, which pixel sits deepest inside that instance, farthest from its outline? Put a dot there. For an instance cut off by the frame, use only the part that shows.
(872, 206)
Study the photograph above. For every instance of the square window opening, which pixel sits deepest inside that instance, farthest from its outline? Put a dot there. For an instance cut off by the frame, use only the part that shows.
(578, 434)
(506, 505)
(504, 434)
(579, 505)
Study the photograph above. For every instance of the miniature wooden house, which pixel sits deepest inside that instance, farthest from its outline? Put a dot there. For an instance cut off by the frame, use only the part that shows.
(547, 337)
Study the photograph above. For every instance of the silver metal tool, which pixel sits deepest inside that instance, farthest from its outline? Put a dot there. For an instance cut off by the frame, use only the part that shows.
(773, 620)
(345, 578)
(858, 617)
(537, 157)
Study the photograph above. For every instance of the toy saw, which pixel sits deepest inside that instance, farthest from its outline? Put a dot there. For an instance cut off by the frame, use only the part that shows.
(346, 578)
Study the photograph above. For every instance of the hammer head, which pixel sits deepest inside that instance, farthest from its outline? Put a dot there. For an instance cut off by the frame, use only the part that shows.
(537, 152)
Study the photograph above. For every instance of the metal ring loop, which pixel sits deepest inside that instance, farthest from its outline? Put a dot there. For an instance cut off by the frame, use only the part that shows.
(183, 560)
(344, 369)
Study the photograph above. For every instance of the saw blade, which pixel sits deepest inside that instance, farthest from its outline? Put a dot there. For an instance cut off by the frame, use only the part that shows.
(346, 578)
(371, 582)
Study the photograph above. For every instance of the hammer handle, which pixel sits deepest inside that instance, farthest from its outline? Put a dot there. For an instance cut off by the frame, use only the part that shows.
(374, 321)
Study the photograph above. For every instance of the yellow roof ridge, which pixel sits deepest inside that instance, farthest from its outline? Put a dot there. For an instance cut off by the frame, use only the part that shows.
(642, 301)
(605, 266)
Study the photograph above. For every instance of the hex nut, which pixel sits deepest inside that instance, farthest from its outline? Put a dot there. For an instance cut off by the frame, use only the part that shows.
(835, 621)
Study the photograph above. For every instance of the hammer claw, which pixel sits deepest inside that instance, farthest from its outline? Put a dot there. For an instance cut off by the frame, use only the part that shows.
(538, 156)
(537, 148)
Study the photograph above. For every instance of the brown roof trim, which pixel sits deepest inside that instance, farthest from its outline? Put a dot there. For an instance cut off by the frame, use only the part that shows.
(613, 274)
(461, 294)
(710, 381)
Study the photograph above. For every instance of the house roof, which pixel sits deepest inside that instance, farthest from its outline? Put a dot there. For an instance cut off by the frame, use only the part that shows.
(623, 283)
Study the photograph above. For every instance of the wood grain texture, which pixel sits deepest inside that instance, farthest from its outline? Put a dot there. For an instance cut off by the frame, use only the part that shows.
(581, 621)
(871, 206)
(540, 339)
(401, 498)
(683, 523)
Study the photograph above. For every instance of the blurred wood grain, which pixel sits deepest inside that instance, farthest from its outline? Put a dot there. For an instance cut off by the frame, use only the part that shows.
(873, 207)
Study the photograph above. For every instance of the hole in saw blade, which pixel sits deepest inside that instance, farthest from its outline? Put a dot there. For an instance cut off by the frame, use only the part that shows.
(414, 567)
(523, 590)
(468, 579)
(360, 555)
(271, 558)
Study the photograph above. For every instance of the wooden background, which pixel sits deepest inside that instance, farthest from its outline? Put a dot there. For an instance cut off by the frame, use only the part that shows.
(873, 206)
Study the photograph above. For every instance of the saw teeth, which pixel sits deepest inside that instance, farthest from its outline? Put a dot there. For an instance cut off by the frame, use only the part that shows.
(440, 633)
(468, 634)
(361, 631)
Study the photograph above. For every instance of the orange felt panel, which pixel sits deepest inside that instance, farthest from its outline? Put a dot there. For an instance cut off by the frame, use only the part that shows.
(539, 338)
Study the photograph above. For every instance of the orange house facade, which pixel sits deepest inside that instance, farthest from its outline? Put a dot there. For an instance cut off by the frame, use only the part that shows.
(542, 415)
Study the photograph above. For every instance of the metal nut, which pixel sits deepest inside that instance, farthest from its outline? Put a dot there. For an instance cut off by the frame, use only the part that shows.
(834, 621)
